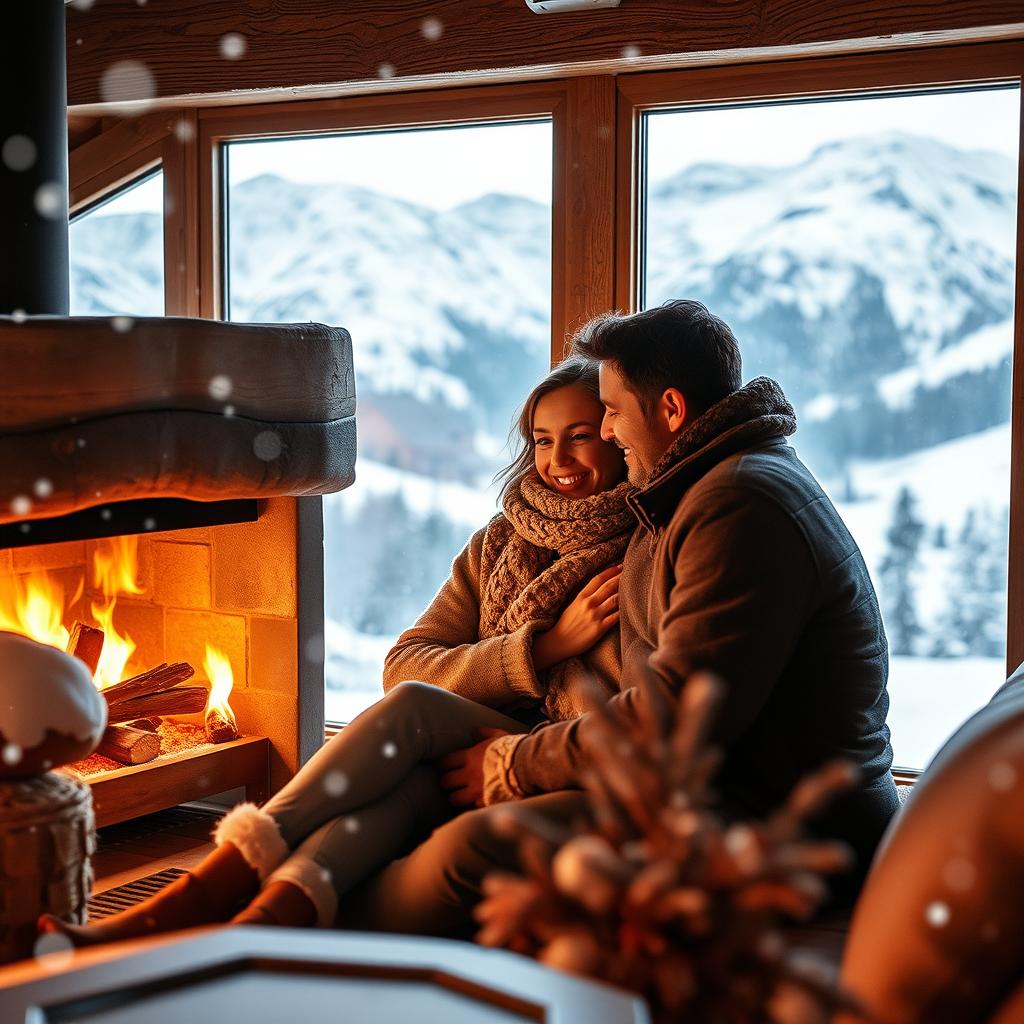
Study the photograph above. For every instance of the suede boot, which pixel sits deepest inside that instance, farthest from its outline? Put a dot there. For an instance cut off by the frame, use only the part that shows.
(249, 846)
(299, 894)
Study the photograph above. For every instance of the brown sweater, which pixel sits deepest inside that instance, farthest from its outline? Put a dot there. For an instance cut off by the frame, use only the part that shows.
(444, 648)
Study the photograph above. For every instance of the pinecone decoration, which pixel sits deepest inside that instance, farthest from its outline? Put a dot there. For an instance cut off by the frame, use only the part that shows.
(657, 893)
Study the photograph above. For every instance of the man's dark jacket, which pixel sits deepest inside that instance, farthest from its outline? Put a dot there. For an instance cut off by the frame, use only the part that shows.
(741, 565)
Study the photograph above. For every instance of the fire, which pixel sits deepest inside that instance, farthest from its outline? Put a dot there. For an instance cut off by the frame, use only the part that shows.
(114, 571)
(34, 605)
(217, 667)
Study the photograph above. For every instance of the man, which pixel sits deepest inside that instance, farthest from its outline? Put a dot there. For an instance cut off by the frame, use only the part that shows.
(739, 564)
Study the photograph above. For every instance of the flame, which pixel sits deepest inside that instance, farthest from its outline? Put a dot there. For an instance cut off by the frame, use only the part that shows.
(34, 605)
(114, 571)
(217, 667)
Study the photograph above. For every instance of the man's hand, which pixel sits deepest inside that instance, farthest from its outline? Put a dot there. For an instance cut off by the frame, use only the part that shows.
(464, 771)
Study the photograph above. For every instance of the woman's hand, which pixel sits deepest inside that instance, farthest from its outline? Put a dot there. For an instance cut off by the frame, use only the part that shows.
(464, 771)
(592, 612)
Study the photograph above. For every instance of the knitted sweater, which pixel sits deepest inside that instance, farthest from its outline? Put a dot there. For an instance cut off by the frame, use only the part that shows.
(444, 648)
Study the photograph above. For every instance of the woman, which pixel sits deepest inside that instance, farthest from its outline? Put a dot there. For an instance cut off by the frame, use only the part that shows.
(523, 623)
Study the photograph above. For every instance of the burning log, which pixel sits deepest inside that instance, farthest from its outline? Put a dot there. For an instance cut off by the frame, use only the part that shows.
(129, 746)
(219, 728)
(86, 644)
(220, 719)
(179, 700)
(163, 677)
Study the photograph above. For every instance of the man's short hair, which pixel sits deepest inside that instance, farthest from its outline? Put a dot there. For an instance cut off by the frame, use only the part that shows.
(677, 345)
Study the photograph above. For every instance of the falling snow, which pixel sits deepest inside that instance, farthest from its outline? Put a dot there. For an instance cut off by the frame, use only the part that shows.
(54, 950)
(21, 504)
(49, 200)
(389, 750)
(220, 386)
(232, 45)
(431, 29)
(129, 84)
(385, 70)
(18, 153)
(43, 488)
(937, 914)
(959, 874)
(335, 783)
(267, 445)
(1002, 776)
(122, 324)
(11, 753)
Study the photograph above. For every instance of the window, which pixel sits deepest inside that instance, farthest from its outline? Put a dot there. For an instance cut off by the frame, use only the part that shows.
(433, 248)
(863, 251)
(117, 253)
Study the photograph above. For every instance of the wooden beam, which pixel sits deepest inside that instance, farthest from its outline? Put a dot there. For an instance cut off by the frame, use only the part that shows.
(335, 46)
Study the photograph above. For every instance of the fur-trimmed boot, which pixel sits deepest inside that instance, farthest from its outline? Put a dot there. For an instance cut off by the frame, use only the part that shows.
(249, 847)
(299, 894)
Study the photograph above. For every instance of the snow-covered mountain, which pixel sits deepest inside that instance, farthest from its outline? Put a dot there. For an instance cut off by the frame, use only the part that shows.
(872, 252)
(875, 273)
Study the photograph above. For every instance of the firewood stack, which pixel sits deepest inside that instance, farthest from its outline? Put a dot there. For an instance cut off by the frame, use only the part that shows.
(141, 701)
(658, 894)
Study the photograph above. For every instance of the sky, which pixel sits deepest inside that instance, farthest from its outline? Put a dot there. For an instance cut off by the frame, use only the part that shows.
(443, 167)
(783, 134)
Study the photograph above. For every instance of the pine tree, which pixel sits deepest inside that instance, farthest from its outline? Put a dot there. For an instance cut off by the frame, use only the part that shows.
(974, 621)
(898, 572)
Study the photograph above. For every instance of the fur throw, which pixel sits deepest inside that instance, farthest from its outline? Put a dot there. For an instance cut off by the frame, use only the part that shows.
(543, 549)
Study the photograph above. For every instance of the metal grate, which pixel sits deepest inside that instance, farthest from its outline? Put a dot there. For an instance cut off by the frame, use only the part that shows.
(121, 897)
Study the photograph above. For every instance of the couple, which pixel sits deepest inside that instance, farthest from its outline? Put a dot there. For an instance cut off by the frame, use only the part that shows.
(720, 552)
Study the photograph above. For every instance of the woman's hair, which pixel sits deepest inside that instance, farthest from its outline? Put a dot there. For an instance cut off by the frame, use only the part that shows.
(574, 370)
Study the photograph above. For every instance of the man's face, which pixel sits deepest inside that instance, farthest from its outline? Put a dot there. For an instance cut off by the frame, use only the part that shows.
(643, 439)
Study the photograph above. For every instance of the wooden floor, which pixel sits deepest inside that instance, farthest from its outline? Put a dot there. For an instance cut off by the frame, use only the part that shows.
(176, 838)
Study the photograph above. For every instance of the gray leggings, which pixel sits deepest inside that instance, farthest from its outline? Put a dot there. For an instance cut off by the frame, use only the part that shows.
(357, 803)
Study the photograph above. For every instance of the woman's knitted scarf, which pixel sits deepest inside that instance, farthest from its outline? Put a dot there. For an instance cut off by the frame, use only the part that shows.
(543, 549)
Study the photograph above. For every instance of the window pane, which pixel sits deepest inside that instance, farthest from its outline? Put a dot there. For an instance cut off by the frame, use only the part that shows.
(433, 248)
(117, 253)
(863, 252)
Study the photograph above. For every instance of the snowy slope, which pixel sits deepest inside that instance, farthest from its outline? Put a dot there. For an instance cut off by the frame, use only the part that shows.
(905, 237)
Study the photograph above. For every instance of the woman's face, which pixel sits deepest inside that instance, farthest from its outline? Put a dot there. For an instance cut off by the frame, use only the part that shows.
(568, 451)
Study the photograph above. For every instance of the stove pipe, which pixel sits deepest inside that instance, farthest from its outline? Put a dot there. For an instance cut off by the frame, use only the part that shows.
(34, 271)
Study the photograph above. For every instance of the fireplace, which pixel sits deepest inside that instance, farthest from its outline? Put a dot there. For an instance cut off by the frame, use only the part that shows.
(234, 587)
(205, 442)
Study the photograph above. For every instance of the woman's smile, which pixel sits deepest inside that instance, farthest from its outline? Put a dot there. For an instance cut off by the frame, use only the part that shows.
(569, 454)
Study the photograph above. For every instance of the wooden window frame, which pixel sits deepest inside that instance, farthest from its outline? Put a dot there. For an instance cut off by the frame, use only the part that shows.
(109, 162)
(582, 113)
(840, 77)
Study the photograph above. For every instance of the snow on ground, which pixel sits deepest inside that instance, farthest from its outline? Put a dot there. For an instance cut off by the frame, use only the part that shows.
(947, 480)
(930, 697)
(353, 668)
